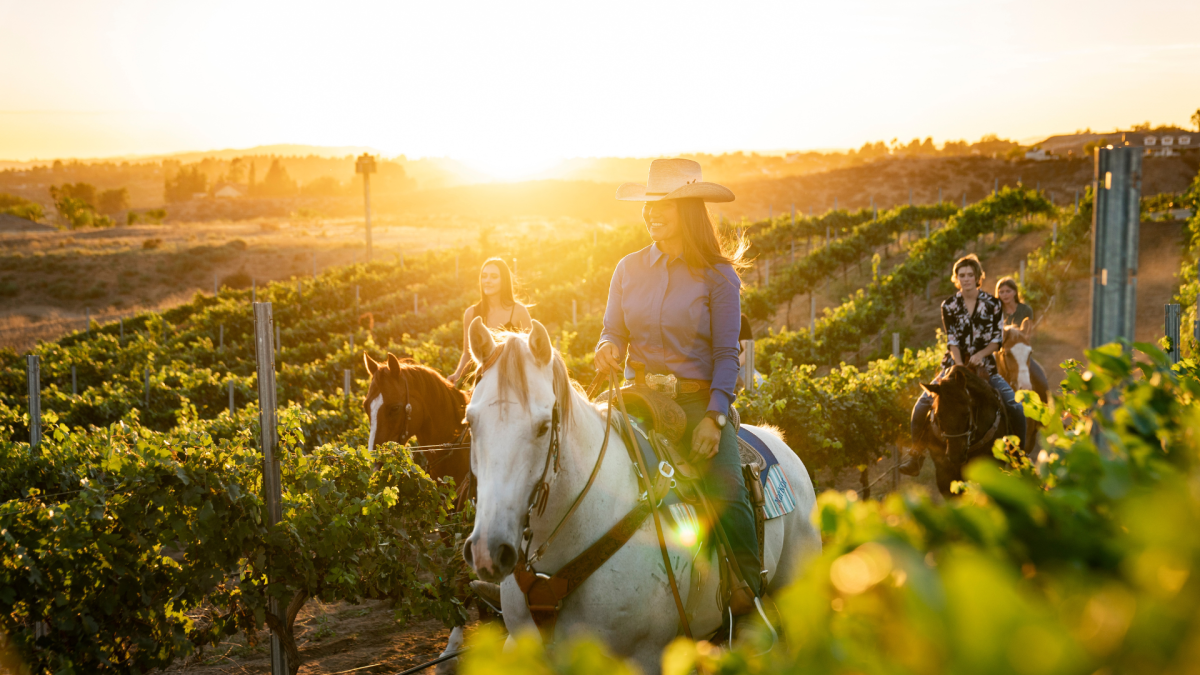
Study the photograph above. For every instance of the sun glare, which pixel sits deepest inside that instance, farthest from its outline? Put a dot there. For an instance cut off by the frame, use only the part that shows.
(512, 167)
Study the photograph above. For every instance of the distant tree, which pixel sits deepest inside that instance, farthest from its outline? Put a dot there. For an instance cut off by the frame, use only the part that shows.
(325, 186)
(76, 213)
(82, 191)
(253, 187)
(76, 205)
(236, 172)
(187, 182)
(1196, 119)
(955, 148)
(1144, 126)
(277, 183)
(113, 201)
(21, 207)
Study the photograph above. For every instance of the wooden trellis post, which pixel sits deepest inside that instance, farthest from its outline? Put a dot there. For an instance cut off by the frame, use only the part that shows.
(269, 433)
(33, 373)
(896, 448)
(1173, 332)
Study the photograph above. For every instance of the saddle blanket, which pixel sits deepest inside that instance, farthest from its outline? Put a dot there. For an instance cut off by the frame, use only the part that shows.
(778, 497)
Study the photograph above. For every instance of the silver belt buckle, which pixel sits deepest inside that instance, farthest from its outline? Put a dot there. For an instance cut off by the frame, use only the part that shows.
(664, 384)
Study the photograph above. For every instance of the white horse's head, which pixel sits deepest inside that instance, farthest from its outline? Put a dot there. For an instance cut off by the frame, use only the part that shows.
(522, 384)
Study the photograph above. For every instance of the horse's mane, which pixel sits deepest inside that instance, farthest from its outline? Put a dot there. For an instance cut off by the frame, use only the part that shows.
(434, 389)
(974, 384)
(511, 371)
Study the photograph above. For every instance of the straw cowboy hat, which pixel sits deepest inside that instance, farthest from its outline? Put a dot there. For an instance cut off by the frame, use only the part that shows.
(674, 179)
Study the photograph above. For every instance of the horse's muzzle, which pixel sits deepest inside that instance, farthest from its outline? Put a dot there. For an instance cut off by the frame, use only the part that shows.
(492, 560)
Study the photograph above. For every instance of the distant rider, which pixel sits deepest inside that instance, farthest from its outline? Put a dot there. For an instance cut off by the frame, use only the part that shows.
(675, 307)
(498, 306)
(972, 320)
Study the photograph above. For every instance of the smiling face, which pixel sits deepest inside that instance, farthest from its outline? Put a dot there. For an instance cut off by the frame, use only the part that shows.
(662, 220)
(489, 280)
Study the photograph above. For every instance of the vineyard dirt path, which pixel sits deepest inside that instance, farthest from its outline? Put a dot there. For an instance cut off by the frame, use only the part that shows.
(1063, 330)
(334, 638)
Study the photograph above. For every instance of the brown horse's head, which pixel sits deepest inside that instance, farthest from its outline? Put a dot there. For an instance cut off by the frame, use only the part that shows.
(1013, 358)
(406, 399)
(963, 408)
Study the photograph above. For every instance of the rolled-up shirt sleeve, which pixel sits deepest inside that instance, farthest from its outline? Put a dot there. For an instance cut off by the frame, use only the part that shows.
(725, 304)
(615, 330)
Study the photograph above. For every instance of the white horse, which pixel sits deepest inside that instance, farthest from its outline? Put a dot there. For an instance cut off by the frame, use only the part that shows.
(627, 602)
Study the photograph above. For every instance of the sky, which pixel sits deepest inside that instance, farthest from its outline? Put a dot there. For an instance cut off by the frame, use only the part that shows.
(511, 87)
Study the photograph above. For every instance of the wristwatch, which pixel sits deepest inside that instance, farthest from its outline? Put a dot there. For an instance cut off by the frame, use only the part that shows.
(717, 417)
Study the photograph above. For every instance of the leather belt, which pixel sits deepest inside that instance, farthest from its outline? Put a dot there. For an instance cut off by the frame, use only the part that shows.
(669, 384)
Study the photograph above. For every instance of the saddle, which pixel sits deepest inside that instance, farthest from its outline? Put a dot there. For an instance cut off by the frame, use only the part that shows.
(659, 426)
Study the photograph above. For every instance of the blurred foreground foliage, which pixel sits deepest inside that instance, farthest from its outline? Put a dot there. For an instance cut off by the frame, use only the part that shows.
(1079, 561)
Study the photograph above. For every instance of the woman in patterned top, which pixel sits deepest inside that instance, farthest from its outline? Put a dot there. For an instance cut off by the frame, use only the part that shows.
(972, 320)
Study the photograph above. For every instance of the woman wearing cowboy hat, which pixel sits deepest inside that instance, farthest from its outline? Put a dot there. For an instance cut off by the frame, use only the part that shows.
(674, 306)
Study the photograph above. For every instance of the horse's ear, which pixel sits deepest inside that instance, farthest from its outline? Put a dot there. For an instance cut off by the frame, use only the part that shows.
(393, 364)
(1025, 327)
(932, 388)
(372, 366)
(480, 340)
(539, 343)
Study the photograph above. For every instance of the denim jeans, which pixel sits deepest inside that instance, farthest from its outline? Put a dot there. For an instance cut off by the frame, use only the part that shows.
(726, 489)
(919, 424)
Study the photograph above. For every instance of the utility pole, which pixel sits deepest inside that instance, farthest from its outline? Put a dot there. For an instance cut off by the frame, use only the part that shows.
(366, 166)
(1115, 228)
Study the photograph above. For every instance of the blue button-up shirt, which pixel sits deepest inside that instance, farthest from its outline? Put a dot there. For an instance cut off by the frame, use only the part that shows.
(677, 320)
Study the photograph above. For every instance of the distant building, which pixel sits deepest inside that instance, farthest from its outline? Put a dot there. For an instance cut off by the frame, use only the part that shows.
(1161, 142)
(229, 190)
(1038, 154)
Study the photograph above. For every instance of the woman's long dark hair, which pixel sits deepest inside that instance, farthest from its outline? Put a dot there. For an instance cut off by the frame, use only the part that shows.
(1011, 283)
(701, 246)
(507, 296)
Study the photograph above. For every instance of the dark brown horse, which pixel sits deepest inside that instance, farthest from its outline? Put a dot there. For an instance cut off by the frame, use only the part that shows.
(405, 400)
(967, 417)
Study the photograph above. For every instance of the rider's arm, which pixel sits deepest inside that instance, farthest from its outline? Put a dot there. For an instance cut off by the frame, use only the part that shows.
(956, 354)
(725, 313)
(951, 338)
(615, 331)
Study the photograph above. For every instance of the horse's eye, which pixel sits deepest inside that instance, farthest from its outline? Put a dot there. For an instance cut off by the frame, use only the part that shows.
(543, 428)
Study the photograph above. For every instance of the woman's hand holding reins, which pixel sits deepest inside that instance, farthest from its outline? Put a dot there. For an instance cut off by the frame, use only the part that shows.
(607, 358)
(706, 438)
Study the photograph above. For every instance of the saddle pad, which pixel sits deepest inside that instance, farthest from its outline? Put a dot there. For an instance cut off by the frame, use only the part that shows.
(778, 498)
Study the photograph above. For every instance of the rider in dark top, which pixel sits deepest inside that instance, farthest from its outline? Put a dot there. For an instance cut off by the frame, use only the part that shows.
(972, 320)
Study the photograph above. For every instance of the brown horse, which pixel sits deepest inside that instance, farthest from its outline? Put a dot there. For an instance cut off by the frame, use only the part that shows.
(1022, 372)
(405, 400)
(967, 417)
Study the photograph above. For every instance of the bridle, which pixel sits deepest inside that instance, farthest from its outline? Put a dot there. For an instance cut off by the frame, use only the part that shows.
(554, 588)
(971, 427)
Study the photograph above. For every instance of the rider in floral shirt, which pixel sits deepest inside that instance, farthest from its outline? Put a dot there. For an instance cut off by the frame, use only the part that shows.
(973, 321)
